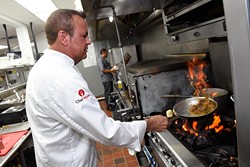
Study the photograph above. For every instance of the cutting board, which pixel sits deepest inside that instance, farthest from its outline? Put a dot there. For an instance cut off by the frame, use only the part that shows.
(10, 139)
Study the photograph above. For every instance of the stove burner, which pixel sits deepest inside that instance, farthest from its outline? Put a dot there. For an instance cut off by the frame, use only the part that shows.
(212, 142)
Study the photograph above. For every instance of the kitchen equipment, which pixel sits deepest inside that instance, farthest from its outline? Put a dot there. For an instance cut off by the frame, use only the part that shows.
(4, 105)
(175, 96)
(211, 92)
(182, 108)
(218, 94)
(232, 97)
(13, 115)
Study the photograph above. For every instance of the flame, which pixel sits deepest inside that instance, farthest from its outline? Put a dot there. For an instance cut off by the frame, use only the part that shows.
(197, 77)
(187, 129)
(195, 125)
(215, 125)
(193, 130)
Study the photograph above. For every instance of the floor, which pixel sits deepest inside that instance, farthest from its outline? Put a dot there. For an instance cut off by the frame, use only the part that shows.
(114, 156)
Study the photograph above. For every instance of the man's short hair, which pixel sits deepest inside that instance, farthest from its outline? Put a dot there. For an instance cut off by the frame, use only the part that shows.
(61, 19)
(103, 50)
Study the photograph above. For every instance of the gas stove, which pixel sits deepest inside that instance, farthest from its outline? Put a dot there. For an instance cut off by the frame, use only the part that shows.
(209, 141)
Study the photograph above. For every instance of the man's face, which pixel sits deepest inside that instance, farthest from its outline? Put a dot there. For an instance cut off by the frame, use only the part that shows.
(79, 41)
(105, 54)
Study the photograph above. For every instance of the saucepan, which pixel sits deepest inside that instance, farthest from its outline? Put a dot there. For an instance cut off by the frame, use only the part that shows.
(195, 107)
(218, 94)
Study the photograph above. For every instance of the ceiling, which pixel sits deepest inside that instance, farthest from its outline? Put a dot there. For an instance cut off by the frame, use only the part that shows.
(17, 14)
(132, 15)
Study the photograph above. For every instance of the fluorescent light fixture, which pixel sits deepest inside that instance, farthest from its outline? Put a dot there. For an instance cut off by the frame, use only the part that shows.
(111, 18)
(3, 47)
(41, 8)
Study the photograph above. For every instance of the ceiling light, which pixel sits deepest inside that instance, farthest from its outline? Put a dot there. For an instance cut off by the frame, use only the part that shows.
(111, 18)
(3, 47)
(41, 8)
(78, 5)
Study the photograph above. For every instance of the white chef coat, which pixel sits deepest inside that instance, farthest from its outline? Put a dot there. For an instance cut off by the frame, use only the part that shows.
(66, 118)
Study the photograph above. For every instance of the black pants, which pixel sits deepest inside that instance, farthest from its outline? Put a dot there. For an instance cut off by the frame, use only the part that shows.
(108, 88)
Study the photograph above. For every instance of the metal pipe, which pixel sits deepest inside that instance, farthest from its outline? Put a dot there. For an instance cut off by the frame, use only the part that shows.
(7, 37)
(34, 38)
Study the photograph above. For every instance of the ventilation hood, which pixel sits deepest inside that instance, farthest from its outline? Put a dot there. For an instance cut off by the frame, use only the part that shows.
(132, 15)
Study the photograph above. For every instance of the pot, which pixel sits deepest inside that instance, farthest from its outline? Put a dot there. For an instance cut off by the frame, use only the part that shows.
(183, 107)
(220, 96)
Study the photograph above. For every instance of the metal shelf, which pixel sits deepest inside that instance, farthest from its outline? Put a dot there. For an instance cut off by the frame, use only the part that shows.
(186, 9)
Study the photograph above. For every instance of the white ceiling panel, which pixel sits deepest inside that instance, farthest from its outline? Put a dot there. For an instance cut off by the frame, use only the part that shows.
(12, 10)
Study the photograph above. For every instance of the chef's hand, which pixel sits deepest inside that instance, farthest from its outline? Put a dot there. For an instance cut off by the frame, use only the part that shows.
(157, 123)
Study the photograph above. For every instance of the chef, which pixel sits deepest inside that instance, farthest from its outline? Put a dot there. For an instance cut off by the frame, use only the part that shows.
(64, 115)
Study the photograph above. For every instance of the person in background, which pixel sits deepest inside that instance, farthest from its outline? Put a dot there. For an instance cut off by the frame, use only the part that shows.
(65, 117)
(106, 72)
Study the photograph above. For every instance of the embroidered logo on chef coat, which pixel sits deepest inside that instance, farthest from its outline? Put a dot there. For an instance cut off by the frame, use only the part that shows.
(81, 93)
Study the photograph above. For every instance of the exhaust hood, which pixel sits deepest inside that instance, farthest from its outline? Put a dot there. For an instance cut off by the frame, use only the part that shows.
(130, 17)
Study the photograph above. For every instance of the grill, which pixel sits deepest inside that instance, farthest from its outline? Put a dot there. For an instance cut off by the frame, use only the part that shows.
(197, 142)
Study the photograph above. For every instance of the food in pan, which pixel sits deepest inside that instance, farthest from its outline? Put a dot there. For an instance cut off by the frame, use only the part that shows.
(203, 107)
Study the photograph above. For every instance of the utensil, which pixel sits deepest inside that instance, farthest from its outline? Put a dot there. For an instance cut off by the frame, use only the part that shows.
(182, 108)
(174, 96)
(232, 97)
(211, 92)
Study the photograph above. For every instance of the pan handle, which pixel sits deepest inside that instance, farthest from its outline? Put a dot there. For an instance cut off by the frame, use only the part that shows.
(232, 97)
(174, 96)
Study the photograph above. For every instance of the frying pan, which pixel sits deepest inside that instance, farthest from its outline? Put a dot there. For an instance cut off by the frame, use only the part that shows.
(182, 108)
(218, 94)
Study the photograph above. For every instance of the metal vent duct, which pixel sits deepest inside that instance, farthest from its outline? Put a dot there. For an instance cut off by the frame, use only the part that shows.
(130, 14)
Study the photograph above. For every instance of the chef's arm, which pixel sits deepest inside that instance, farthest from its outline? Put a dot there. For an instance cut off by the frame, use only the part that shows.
(157, 123)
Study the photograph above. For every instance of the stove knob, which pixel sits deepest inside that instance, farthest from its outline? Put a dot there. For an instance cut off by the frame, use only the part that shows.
(161, 149)
(154, 139)
(171, 161)
(165, 153)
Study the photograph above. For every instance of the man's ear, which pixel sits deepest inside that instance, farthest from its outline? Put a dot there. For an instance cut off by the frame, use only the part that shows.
(63, 37)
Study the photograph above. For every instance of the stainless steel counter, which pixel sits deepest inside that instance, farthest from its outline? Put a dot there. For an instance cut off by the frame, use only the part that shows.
(13, 151)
